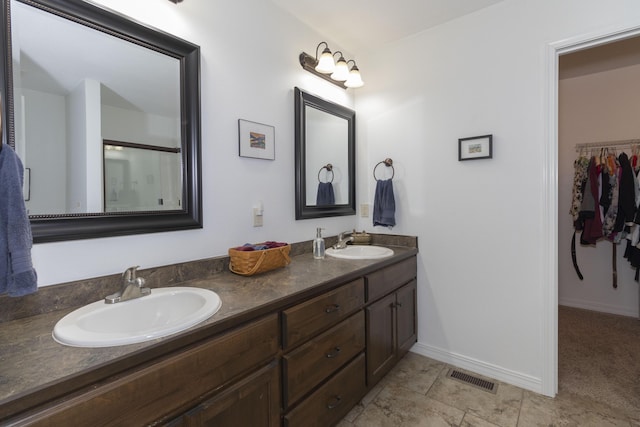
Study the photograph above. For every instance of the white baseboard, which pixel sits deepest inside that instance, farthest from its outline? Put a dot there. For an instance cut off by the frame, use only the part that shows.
(597, 306)
(482, 368)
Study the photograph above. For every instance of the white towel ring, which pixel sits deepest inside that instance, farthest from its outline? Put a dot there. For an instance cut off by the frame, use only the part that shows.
(388, 163)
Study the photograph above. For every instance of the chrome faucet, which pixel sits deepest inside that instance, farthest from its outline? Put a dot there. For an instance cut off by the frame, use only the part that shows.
(132, 287)
(342, 242)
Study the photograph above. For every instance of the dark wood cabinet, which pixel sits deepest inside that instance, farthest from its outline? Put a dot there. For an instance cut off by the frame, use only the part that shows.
(391, 323)
(407, 317)
(154, 393)
(381, 338)
(318, 388)
(254, 401)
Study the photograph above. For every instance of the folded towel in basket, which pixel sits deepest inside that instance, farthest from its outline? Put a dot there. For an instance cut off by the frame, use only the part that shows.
(260, 246)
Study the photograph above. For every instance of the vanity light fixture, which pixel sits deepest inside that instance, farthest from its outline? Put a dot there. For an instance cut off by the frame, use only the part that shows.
(176, 1)
(337, 73)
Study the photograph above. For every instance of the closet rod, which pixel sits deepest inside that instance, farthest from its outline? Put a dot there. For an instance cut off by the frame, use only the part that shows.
(620, 143)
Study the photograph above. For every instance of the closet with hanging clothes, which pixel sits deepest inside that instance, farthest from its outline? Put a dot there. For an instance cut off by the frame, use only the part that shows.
(605, 201)
(598, 107)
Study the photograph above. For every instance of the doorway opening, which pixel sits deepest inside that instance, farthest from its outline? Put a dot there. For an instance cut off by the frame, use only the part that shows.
(597, 317)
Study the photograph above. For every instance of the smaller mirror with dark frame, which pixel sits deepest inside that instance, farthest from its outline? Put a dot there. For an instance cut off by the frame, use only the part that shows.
(325, 163)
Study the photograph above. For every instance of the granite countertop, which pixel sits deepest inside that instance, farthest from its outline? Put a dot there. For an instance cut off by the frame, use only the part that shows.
(32, 363)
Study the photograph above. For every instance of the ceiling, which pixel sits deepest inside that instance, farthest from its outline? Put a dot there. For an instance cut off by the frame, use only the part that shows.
(360, 25)
(364, 24)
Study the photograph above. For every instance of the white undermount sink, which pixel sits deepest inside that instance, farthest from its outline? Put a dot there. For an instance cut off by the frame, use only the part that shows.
(360, 252)
(164, 312)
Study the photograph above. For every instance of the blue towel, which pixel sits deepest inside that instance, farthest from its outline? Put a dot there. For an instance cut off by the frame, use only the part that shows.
(325, 194)
(17, 276)
(384, 204)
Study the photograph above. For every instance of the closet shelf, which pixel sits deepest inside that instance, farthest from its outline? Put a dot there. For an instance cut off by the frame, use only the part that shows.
(623, 143)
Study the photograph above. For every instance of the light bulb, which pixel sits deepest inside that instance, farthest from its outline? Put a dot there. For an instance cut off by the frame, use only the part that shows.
(325, 63)
(354, 80)
(341, 72)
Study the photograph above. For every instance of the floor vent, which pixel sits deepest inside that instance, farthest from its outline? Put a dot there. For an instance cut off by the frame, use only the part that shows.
(474, 381)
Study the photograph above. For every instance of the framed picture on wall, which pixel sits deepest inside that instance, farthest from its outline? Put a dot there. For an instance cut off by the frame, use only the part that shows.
(475, 147)
(256, 140)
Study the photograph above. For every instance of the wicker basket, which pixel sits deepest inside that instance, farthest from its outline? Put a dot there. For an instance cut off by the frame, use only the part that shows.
(248, 263)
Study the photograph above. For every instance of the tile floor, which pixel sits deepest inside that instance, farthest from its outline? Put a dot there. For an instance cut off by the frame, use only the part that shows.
(418, 393)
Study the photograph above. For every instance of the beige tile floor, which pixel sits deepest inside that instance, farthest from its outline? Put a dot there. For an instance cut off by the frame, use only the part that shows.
(418, 393)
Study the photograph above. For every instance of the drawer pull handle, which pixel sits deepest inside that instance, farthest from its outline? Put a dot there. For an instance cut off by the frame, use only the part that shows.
(332, 308)
(333, 353)
(334, 402)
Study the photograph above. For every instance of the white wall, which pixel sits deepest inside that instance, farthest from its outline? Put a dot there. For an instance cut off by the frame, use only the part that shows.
(44, 125)
(595, 107)
(93, 142)
(77, 147)
(481, 271)
(249, 67)
(128, 125)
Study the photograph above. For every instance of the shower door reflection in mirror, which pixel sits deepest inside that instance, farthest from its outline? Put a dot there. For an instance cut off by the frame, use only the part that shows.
(140, 177)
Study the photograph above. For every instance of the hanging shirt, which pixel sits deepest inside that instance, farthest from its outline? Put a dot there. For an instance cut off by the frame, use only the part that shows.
(581, 167)
(590, 211)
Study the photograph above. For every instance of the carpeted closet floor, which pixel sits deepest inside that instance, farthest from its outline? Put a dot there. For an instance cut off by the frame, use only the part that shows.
(599, 357)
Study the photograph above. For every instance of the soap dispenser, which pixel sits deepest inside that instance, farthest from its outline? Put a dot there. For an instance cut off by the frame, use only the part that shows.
(318, 245)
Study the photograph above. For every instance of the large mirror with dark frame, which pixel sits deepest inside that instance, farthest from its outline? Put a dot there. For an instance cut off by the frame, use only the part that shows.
(104, 113)
(325, 164)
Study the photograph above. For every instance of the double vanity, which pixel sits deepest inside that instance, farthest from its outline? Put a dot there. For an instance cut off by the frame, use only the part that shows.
(297, 346)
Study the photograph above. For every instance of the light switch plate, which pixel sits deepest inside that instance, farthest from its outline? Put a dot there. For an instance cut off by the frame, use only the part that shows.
(364, 210)
(257, 218)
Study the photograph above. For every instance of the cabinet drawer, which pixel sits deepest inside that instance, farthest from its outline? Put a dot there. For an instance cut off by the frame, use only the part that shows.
(331, 402)
(386, 280)
(311, 363)
(172, 385)
(304, 320)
